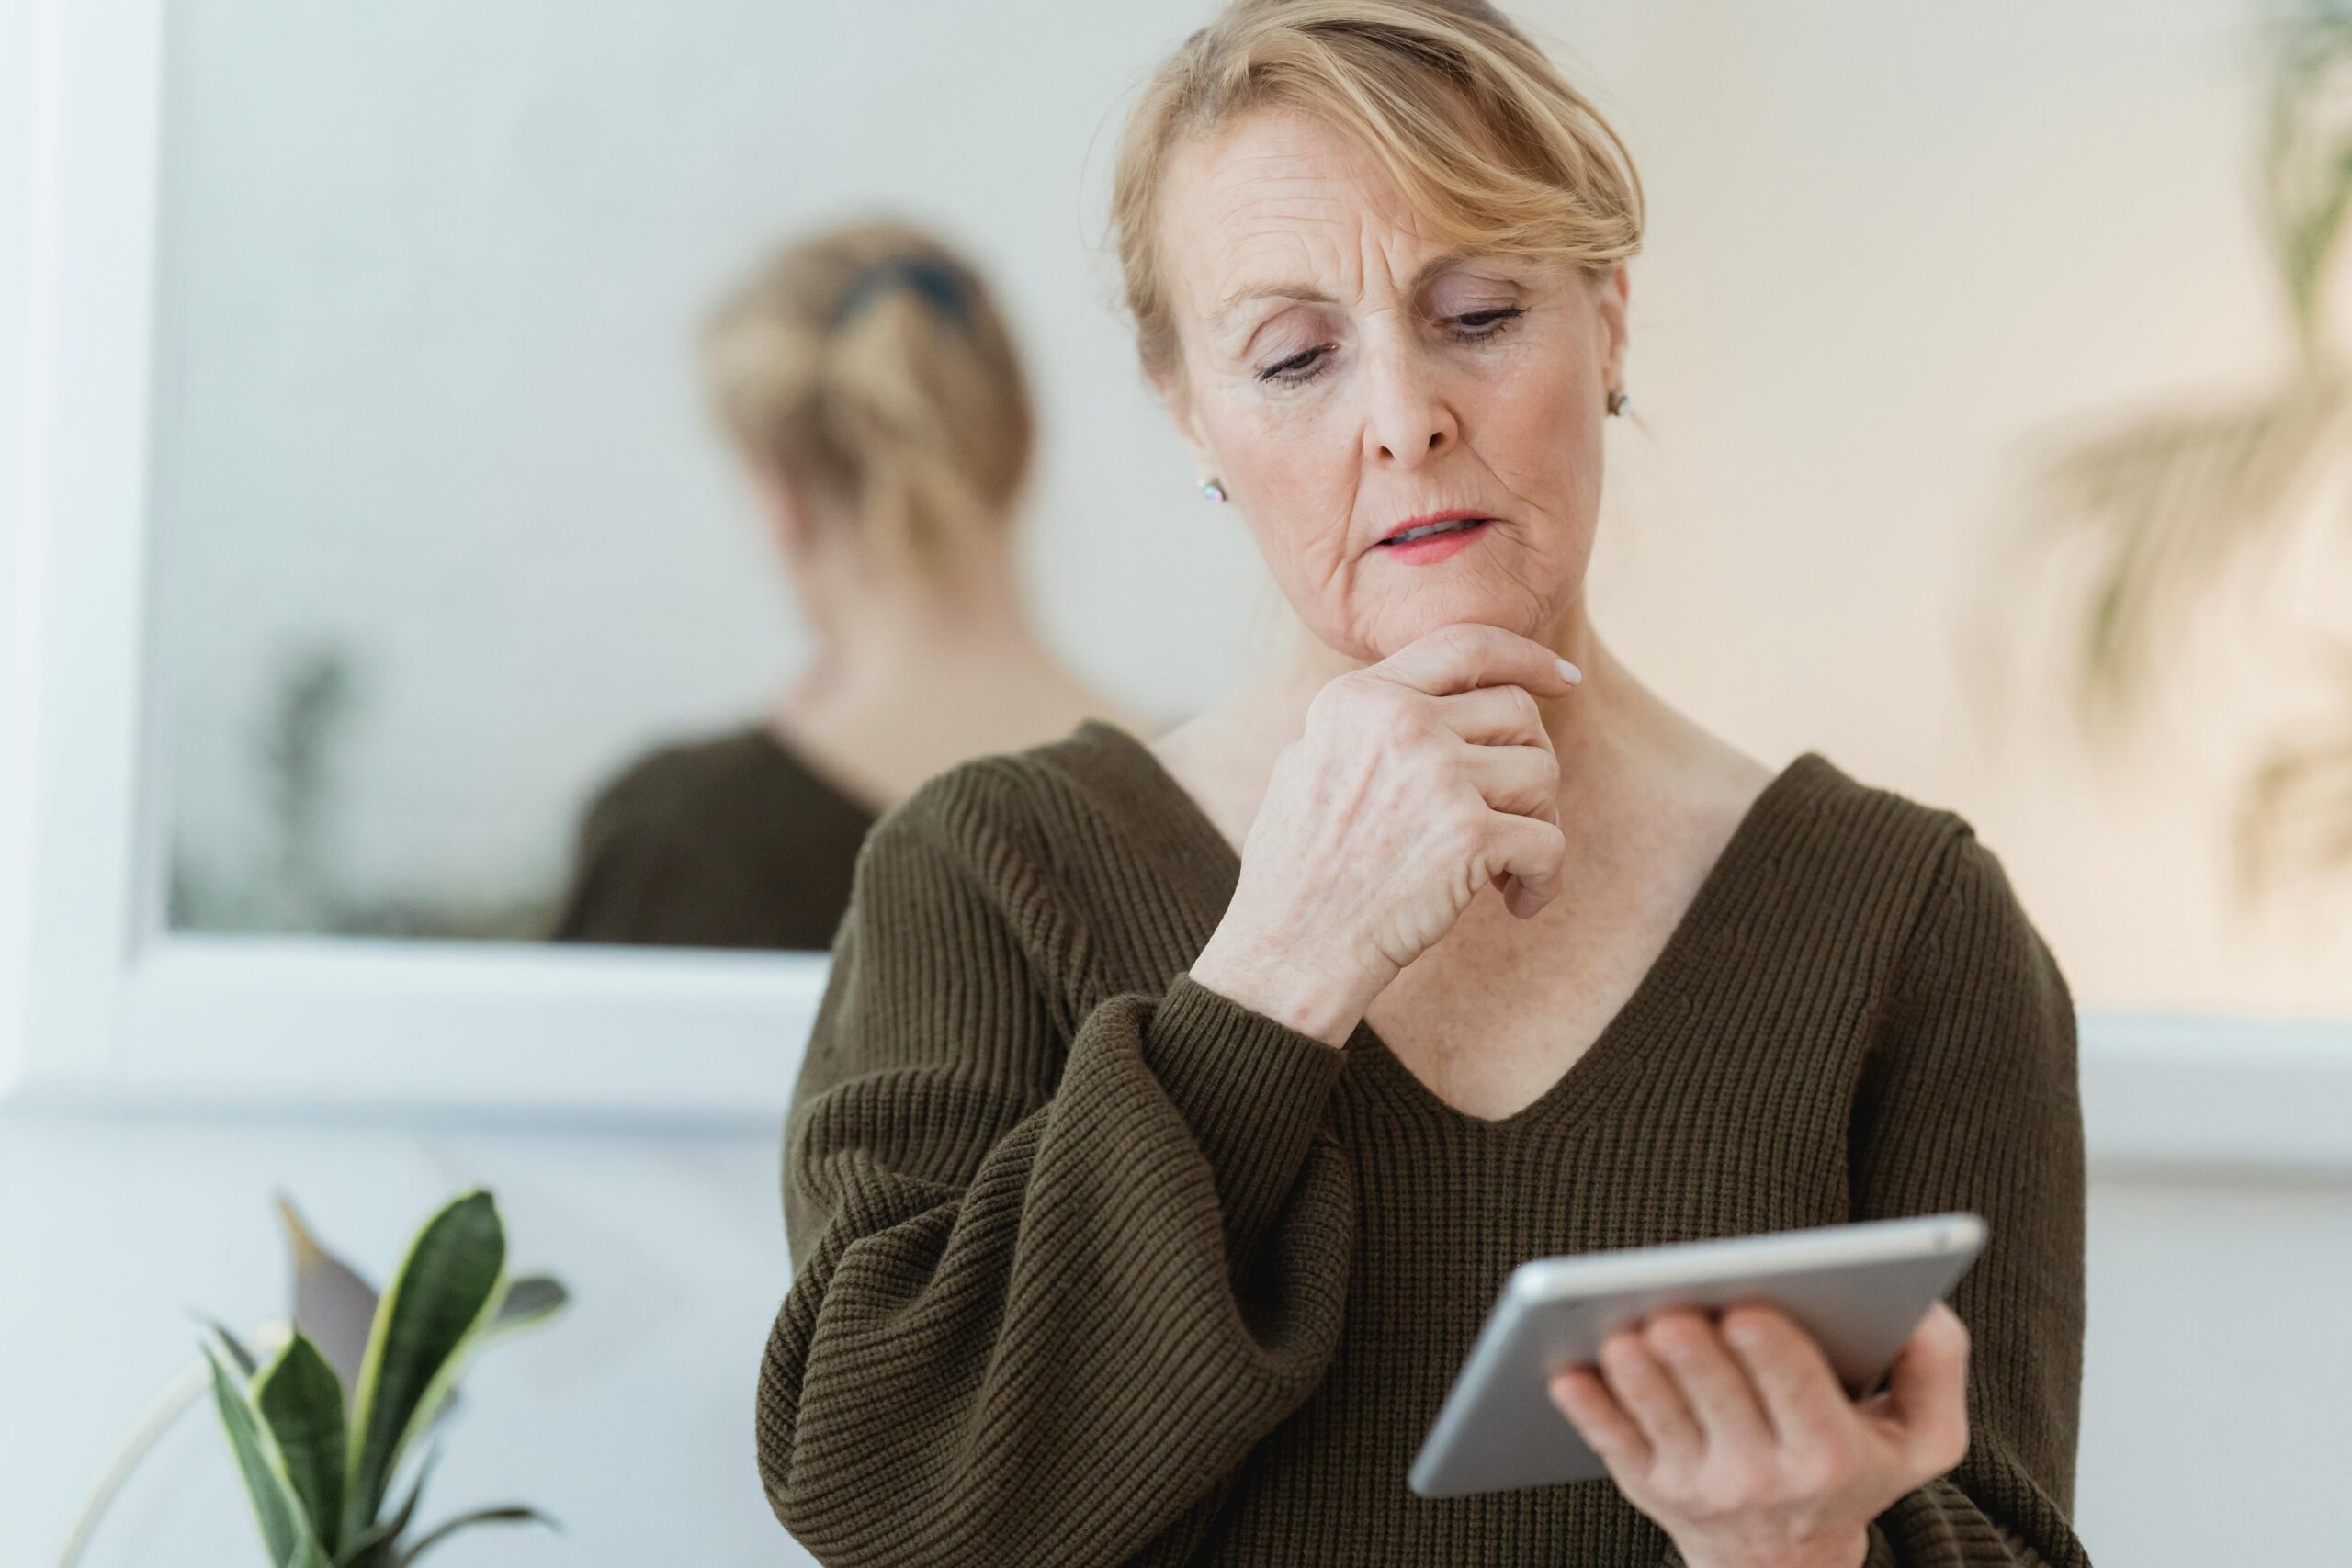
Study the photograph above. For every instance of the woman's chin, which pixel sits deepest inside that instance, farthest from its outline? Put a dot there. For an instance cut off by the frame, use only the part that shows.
(1446, 605)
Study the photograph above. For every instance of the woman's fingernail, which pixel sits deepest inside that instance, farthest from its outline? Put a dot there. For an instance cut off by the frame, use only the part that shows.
(1570, 670)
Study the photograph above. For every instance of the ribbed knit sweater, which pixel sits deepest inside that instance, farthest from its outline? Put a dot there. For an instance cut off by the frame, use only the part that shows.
(1094, 1265)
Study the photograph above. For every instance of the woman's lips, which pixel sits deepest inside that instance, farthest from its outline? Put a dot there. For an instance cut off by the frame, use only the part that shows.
(1436, 546)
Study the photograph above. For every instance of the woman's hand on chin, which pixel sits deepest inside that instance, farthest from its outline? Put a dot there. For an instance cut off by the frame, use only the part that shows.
(1416, 782)
(1739, 1440)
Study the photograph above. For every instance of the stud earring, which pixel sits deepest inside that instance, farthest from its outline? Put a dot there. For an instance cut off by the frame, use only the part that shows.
(1617, 402)
(1212, 490)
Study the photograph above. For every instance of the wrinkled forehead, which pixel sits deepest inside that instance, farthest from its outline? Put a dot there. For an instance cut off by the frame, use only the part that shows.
(1277, 199)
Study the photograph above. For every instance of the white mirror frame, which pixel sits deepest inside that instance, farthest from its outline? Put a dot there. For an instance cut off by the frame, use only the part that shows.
(100, 1006)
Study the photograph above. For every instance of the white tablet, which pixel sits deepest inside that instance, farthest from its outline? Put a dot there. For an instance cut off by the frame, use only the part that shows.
(1859, 1289)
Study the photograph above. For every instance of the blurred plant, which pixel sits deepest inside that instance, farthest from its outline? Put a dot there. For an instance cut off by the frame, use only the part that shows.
(2297, 805)
(2165, 503)
(293, 884)
(318, 1480)
(315, 701)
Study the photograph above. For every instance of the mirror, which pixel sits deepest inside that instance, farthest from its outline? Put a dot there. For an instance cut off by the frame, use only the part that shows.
(471, 618)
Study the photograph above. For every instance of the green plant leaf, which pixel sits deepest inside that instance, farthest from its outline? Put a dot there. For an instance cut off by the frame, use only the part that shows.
(510, 1514)
(529, 1301)
(530, 1297)
(286, 1534)
(377, 1546)
(301, 1401)
(2307, 162)
(233, 1346)
(524, 1304)
(444, 1289)
(2171, 502)
(2293, 818)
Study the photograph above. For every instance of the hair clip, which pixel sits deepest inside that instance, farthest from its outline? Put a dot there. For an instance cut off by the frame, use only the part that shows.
(934, 281)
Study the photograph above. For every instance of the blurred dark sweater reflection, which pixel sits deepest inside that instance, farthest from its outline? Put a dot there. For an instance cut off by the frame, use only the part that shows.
(732, 842)
(868, 384)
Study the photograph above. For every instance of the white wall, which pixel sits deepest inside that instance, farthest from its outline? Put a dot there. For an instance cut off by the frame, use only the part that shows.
(2217, 1403)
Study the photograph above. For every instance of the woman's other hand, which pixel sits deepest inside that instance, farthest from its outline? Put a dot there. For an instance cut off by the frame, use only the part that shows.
(1415, 782)
(1742, 1444)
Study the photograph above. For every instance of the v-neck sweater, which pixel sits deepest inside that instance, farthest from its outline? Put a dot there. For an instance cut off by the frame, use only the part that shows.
(1095, 1264)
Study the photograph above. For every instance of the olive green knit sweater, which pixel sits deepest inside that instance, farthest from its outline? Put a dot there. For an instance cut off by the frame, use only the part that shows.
(1095, 1266)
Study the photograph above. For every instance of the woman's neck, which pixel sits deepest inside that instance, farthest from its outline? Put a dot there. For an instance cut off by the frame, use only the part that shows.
(879, 639)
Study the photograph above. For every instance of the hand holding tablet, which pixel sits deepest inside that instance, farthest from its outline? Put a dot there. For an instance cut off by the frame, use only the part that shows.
(1857, 1290)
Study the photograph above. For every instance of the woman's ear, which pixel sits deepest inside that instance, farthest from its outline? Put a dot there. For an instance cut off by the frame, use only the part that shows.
(1609, 294)
(784, 509)
(1177, 400)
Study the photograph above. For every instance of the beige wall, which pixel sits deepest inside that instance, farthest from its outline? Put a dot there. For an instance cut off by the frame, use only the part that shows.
(1894, 247)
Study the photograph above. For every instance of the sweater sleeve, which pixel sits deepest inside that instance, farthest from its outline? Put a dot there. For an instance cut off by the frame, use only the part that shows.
(1969, 1101)
(1054, 1272)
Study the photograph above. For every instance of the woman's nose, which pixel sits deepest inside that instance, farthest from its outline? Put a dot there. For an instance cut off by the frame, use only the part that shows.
(1408, 421)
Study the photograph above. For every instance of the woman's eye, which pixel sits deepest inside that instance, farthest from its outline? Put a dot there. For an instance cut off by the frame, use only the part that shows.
(1308, 364)
(1300, 366)
(1487, 323)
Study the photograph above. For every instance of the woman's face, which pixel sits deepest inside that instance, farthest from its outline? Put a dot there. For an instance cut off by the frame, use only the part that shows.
(1344, 373)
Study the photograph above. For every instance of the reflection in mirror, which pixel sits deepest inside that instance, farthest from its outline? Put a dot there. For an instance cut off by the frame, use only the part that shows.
(599, 573)
(871, 390)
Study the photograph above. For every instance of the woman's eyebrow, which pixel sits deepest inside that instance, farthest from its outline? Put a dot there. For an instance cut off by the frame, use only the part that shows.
(1310, 294)
(1296, 293)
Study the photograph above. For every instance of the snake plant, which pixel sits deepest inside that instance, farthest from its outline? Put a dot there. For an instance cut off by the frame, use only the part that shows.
(321, 1430)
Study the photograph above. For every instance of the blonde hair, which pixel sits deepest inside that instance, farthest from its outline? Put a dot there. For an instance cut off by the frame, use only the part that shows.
(1486, 141)
(870, 366)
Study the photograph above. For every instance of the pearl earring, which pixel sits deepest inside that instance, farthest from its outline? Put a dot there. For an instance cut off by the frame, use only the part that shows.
(1617, 402)
(1212, 490)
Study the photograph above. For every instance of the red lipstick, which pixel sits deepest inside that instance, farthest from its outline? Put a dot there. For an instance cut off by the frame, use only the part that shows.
(1436, 540)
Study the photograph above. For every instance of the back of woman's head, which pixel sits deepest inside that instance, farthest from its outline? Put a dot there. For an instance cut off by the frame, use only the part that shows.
(868, 367)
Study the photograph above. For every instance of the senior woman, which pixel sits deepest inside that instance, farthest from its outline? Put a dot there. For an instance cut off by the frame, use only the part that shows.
(1175, 1111)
